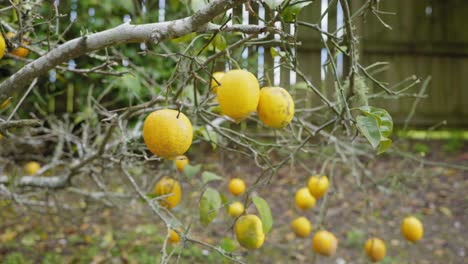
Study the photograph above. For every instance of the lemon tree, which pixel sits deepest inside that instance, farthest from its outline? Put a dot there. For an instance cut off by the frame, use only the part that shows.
(124, 98)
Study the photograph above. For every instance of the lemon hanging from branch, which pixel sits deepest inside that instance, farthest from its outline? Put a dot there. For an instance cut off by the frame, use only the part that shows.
(167, 133)
(276, 107)
(238, 94)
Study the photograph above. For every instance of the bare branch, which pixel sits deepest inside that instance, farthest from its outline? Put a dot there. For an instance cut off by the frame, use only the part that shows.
(124, 33)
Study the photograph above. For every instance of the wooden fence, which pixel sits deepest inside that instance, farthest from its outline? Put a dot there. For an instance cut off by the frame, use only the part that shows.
(428, 38)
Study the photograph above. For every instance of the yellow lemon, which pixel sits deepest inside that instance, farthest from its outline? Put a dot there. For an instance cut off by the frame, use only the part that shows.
(324, 243)
(167, 133)
(1, 136)
(304, 200)
(214, 85)
(412, 229)
(275, 107)
(236, 186)
(32, 167)
(301, 226)
(375, 249)
(20, 52)
(235, 209)
(239, 94)
(174, 238)
(318, 185)
(2, 46)
(249, 231)
(170, 188)
(180, 162)
(5, 103)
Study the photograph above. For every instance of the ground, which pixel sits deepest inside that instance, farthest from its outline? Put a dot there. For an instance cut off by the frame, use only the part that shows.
(398, 187)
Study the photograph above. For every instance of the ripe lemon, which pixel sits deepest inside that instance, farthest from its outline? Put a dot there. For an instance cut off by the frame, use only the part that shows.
(32, 167)
(239, 94)
(375, 249)
(1, 136)
(304, 200)
(275, 107)
(412, 229)
(5, 103)
(318, 185)
(167, 133)
(174, 238)
(301, 226)
(2, 46)
(180, 162)
(249, 231)
(171, 189)
(235, 209)
(324, 243)
(20, 52)
(236, 186)
(214, 84)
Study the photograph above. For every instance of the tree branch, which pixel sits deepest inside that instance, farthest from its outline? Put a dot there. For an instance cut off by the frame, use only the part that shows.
(124, 33)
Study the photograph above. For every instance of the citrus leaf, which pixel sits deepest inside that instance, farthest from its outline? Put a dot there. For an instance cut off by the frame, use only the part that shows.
(190, 170)
(265, 213)
(369, 128)
(292, 11)
(385, 144)
(196, 5)
(273, 4)
(228, 245)
(210, 136)
(210, 202)
(209, 176)
(383, 117)
(219, 42)
(275, 53)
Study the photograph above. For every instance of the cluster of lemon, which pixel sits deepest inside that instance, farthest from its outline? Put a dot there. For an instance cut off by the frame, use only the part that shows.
(324, 242)
(168, 133)
(20, 51)
(248, 227)
(171, 191)
(239, 96)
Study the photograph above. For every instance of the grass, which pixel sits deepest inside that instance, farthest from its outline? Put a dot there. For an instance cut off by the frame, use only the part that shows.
(434, 135)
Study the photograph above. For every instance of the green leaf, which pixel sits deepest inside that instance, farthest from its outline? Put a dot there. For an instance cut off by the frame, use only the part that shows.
(219, 42)
(190, 170)
(273, 4)
(225, 202)
(384, 118)
(197, 4)
(369, 128)
(265, 213)
(151, 195)
(275, 53)
(384, 126)
(209, 206)
(228, 245)
(292, 11)
(210, 136)
(185, 38)
(385, 144)
(209, 176)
